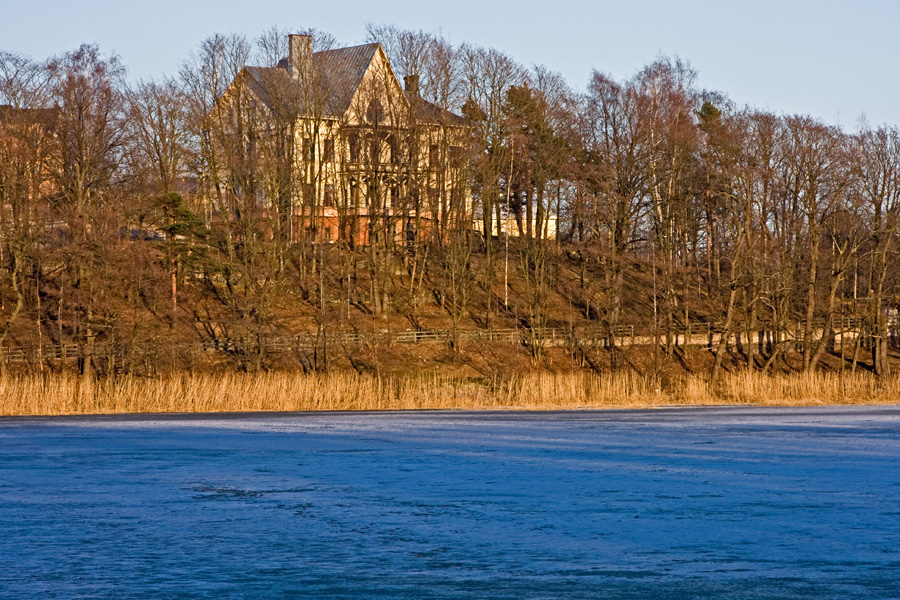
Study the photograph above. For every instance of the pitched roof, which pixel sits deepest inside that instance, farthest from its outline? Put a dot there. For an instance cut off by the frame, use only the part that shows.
(432, 113)
(341, 72)
(265, 82)
(44, 116)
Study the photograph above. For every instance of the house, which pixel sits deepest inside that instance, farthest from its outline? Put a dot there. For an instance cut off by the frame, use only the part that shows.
(27, 139)
(507, 224)
(331, 147)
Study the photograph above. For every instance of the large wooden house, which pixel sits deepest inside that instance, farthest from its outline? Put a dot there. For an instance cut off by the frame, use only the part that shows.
(27, 140)
(339, 150)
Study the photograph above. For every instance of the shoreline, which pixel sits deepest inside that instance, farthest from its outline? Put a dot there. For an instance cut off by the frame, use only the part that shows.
(485, 415)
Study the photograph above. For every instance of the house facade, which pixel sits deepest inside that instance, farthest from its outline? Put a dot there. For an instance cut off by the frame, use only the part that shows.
(27, 141)
(332, 148)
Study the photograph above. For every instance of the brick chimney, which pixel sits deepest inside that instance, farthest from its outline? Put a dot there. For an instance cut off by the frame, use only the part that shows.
(299, 55)
(412, 85)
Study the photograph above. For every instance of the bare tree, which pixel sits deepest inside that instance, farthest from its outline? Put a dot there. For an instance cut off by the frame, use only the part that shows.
(667, 99)
(91, 134)
(487, 75)
(814, 180)
(26, 144)
(876, 164)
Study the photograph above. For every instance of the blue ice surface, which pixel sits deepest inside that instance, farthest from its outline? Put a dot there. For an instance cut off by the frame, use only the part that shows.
(671, 503)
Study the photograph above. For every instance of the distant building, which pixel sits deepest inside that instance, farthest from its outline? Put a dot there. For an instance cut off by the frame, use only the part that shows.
(509, 224)
(341, 151)
(27, 140)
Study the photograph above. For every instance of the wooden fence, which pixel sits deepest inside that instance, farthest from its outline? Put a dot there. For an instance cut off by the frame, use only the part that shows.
(698, 334)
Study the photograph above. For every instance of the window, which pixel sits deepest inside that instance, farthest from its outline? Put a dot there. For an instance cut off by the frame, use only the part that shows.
(309, 149)
(394, 150)
(434, 155)
(354, 194)
(375, 150)
(456, 154)
(329, 234)
(456, 198)
(354, 147)
(375, 112)
(395, 197)
(328, 150)
(328, 199)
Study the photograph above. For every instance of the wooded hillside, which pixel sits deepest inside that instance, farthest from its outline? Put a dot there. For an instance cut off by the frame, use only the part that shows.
(140, 233)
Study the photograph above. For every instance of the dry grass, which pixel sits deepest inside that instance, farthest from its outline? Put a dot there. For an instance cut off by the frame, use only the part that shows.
(67, 394)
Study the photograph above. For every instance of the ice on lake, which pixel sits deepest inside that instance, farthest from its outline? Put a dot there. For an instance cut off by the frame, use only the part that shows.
(673, 503)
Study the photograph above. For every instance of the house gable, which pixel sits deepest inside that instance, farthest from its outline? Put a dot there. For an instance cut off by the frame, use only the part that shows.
(347, 81)
(378, 95)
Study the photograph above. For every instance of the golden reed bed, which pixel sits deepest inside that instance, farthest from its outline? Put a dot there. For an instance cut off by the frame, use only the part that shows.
(68, 394)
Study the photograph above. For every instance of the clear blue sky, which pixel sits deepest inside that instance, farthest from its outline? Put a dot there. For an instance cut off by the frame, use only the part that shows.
(835, 60)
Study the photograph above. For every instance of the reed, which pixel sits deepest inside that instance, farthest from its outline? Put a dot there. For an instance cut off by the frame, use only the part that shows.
(233, 392)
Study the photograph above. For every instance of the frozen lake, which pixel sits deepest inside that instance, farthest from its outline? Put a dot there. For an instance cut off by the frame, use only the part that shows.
(673, 503)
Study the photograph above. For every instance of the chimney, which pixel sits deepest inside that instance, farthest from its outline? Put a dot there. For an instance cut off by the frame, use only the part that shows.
(299, 55)
(412, 85)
